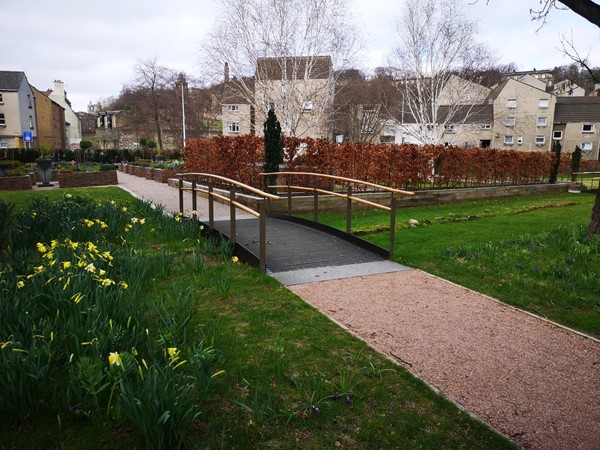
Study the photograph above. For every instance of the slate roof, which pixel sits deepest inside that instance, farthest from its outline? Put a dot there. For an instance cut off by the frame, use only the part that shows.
(316, 67)
(10, 81)
(233, 92)
(577, 109)
(469, 114)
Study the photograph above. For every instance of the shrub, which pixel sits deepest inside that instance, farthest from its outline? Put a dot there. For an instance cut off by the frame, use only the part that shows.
(106, 167)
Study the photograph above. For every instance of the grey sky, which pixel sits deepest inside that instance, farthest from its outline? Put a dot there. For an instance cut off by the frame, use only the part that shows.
(93, 46)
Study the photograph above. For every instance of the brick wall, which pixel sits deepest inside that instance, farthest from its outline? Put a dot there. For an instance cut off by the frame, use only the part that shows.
(22, 183)
(84, 179)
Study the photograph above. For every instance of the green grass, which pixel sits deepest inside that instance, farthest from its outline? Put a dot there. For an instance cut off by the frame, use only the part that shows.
(445, 229)
(292, 378)
(20, 199)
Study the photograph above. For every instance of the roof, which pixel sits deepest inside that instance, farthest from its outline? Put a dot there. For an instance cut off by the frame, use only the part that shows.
(296, 67)
(468, 113)
(577, 109)
(11, 81)
(233, 92)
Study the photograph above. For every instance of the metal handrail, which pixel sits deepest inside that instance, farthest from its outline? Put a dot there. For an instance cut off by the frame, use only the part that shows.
(262, 205)
(348, 196)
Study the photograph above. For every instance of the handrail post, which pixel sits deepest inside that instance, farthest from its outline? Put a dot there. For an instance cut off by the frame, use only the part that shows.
(289, 194)
(194, 200)
(262, 239)
(349, 210)
(232, 215)
(392, 224)
(181, 194)
(211, 206)
(315, 202)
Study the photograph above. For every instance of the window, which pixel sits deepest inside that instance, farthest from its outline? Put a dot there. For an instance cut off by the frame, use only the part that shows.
(2, 120)
(544, 102)
(587, 128)
(31, 122)
(508, 140)
(542, 121)
(367, 128)
(307, 106)
(233, 107)
(1, 99)
(510, 121)
(540, 140)
(485, 126)
(234, 127)
(557, 135)
(29, 100)
(3, 143)
(520, 140)
(511, 103)
(450, 128)
(586, 146)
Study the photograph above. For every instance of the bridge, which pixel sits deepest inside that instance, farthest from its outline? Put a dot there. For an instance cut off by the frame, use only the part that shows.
(292, 249)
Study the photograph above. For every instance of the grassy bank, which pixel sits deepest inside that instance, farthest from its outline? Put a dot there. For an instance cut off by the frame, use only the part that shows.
(530, 252)
(146, 334)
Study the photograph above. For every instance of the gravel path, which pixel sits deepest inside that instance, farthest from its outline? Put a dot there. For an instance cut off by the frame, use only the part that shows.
(534, 381)
(537, 383)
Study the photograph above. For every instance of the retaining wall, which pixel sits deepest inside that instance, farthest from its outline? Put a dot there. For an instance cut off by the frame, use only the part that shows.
(84, 179)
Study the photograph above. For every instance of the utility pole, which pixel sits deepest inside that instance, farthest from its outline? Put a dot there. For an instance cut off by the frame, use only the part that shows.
(183, 83)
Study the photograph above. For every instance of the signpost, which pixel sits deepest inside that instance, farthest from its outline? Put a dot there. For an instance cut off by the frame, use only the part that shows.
(27, 138)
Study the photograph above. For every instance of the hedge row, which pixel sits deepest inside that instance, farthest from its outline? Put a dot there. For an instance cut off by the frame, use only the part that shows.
(402, 166)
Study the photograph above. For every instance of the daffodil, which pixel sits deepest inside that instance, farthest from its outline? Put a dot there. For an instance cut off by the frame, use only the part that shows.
(235, 259)
(68, 196)
(134, 220)
(123, 285)
(41, 247)
(106, 282)
(124, 209)
(88, 222)
(172, 352)
(66, 264)
(178, 219)
(114, 359)
(102, 272)
(77, 297)
(90, 268)
(142, 221)
(112, 202)
(20, 284)
(54, 243)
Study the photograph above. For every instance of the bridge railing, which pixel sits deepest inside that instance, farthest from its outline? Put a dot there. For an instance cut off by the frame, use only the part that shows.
(206, 183)
(346, 193)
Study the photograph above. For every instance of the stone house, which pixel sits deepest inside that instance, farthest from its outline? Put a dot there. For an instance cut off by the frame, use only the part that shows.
(50, 122)
(73, 124)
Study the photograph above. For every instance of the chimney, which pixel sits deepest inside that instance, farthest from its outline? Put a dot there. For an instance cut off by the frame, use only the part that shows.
(226, 73)
(59, 88)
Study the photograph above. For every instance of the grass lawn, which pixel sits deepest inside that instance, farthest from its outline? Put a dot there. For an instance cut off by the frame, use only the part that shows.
(262, 368)
(512, 249)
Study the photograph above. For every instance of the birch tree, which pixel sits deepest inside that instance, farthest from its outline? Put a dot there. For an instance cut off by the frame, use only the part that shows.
(436, 43)
(291, 38)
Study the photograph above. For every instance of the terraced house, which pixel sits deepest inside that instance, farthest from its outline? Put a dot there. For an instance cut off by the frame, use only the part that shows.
(17, 112)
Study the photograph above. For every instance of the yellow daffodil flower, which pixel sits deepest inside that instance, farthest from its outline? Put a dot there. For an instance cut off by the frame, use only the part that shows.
(106, 282)
(114, 359)
(172, 351)
(123, 284)
(68, 196)
(235, 259)
(66, 264)
(90, 268)
(142, 221)
(77, 297)
(20, 284)
(124, 209)
(41, 247)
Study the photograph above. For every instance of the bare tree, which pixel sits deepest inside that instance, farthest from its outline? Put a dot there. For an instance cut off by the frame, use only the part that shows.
(153, 85)
(435, 43)
(291, 38)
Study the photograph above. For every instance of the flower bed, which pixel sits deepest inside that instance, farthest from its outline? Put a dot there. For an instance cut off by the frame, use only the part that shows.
(83, 179)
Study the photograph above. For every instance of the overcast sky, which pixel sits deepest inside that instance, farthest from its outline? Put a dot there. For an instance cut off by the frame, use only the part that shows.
(93, 46)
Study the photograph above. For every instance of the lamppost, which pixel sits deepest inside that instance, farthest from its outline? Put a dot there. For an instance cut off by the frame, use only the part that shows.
(181, 81)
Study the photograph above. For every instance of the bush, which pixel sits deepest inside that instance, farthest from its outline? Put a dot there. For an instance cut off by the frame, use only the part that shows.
(106, 167)
(15, 172)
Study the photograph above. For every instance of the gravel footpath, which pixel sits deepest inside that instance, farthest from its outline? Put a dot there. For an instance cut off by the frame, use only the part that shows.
(534, 381)
(537, 383)
(167, 196)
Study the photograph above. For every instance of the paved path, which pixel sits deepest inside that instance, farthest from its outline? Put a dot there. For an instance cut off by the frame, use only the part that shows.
(534, 381)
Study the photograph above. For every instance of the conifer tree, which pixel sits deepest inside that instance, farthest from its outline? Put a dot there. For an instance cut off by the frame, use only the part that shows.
(273, 146)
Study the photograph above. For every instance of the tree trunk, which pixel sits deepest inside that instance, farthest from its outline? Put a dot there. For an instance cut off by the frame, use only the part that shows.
(595, 223)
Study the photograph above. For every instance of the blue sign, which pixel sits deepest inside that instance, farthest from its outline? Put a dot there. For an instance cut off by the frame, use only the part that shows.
(27, 136)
